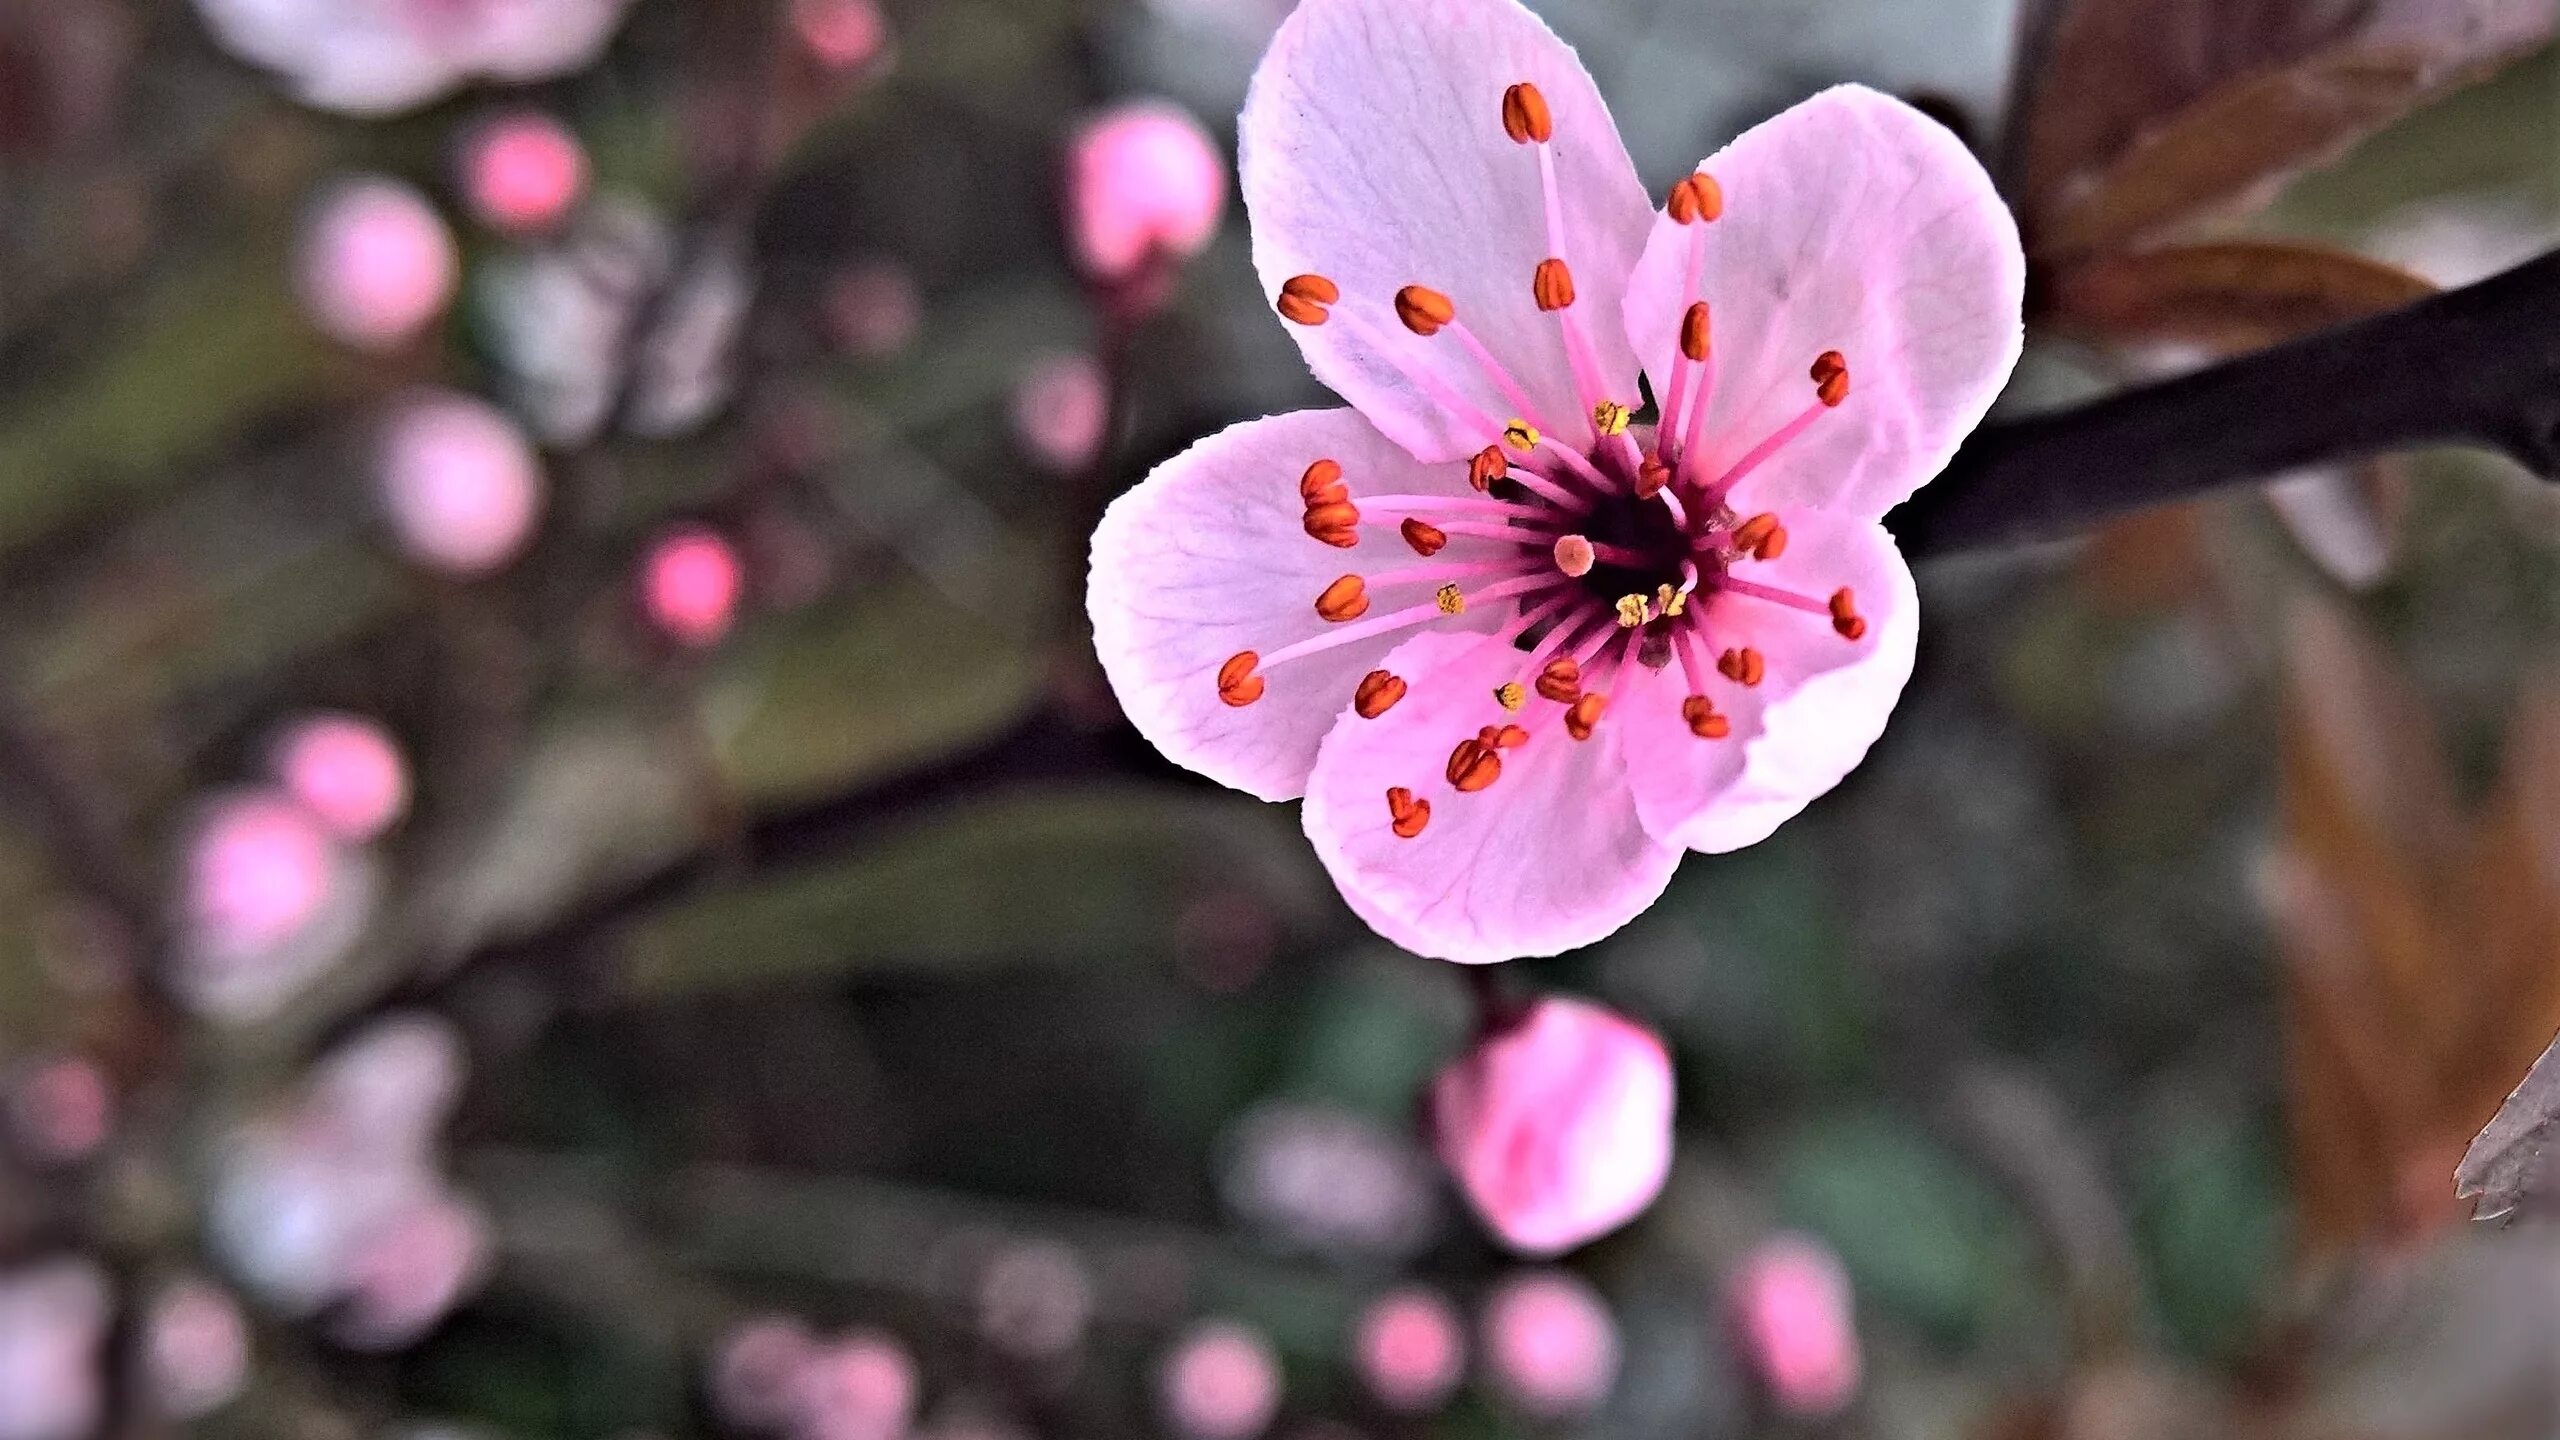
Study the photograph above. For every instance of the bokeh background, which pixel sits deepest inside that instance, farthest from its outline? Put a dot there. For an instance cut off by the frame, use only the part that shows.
(721, 919)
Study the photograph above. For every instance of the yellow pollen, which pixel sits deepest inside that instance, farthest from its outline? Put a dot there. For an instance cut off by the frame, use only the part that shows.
(1610, 416)
(1670, 601)
(1509, 695)
(1520, 435)
(1452, 600)
(1633, 610)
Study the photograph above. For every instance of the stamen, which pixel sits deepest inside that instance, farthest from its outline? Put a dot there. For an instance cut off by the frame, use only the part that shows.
(1831, 386)
(1583, 714)
(1697, 198)
(1553, 285)
(1394, 505)
(1587, 379)
(1425, 539)
(1575, 555)
(1525, 117)
(1845, 617)
(1672, 603)
(1453, 601)
(1493, 530)
(1561, 680)
(1303, 299)
(1488, 466)
(1322, 483)
(1377, 693)
(1344, 599)
(1761, 537)
(1404, 619)
(1412, 574)
(1609, 418)
(1424, 310)
(1633, 610)
(1703, 720)
(1513, 394)
(1336, 524)
(1237, 684)
(1406, 815)
(1510, 696)
(1773, 595)
(1830, 378)
(1651, 477)
(1503, 737)
(1520, 435)
(1473, 765)
(1744, 667)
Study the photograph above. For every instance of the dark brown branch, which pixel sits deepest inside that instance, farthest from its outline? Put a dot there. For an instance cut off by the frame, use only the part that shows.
(2479, 366)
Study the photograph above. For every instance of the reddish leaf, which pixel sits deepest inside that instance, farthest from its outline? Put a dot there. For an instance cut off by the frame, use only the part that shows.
(2229, 296)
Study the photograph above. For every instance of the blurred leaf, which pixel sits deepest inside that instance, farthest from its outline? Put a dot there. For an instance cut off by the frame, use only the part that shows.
(1060, 878)
(841, 695)
(2509, 1163)
(2229, 296)
(2147, 112)
(2208, 1209)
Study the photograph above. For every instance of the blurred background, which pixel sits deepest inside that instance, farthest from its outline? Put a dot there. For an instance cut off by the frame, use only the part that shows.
(566, 868)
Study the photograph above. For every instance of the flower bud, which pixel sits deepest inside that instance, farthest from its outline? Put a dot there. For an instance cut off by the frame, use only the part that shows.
(1793, 1313)
(521, 172)
(345, 769)
(1550, 1344)
(1145, 185)
(689, 584)
(375, 264)
(459, 481)
(1221, 1382)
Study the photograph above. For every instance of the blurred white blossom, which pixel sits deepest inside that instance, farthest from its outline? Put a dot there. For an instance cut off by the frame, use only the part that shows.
(373, 57)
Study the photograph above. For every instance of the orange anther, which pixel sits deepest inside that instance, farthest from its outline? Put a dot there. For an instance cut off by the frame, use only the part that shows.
(1303, 299)
(1525, 117)
(1335, 524)
(1237, 684)
(1405, 814)
(1322, 484)
(1377, 694)
(1561, 681)
(1503, 737)
(1489, 465)
(1743, 666)
(1651, 477)
(1761, 537)
(1425, 539)
(1553, 284)
(1344, 599)
(1697, 332)
(1424, 310)
(1845, 617)
(1703, 720)
(1831, 377)
(1697, 198)
(1473, 765)
(1583, 714)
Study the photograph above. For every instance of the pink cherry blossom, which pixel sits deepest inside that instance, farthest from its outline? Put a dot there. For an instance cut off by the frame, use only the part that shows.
(61, 1110)
(1061, 407)
(1550, 1344)
(385, 56)
(267, 898)
(1557, 1124)
(754, 1369)
(375, 264)
(1517, 649)
(1221, 1382)
(1145, 185)
(861, 1386)
(459, 481)
(1411, 1349)
(842, 34)
(522, 171)
(195, 1349)
(346, 770)
(689, 584)
(53, 1323)
(1792, 1306)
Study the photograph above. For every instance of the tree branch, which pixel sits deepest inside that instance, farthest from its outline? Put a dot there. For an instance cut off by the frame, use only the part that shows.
(2478, 366)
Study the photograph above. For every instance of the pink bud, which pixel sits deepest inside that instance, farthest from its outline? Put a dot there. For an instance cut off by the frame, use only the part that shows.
(1412, 1350)
(755, 1369)
(375, 263)
(258, 872)
(1034, 1300)
(1557, 1126)
(1145, 185)
(522, 171)
(346, 770)
(873, 308)
(61, 1111)
(405, 1276)
(1794, 1310)
(1551, 1344)
(860, 1387)
(842, 34)
(1060, 408)
(689, 583)
(1221, 1382)
(459, 481)
(195, 1346)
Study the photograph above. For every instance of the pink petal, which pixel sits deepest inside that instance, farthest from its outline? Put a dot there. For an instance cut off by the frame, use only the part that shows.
(1374, 155)
(1852, 222)
(1209, 556)
(1549, 857)
(1824, 701)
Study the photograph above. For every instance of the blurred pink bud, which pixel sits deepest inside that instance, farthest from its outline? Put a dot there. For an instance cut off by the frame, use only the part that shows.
(843, 34)
(1793, 1306)
(1221, 1382)
(53, 1320)
(386, 1089)
(375, 263)
(859, 1387)
(1557, 1126)
(258, 872)
(1412, 1350)
(522, 171)
(754, 1371)
(873, 308)
(689, 584)
(1550, 1344)
(405, 1276)
(346, 770)
(1034, 1300)
(459, 481)
(1145, 186)
(195, 1348)
(1061, 406)
(61, 1111)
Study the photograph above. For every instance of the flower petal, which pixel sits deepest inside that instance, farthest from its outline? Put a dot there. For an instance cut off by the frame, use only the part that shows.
(1209, 556)
(1374, 154)
(1852, 222)
(1805, 726)
(1550, 856)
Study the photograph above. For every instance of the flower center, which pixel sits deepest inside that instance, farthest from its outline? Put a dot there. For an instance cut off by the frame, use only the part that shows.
(1600, 542)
